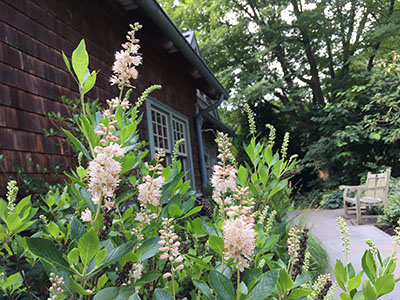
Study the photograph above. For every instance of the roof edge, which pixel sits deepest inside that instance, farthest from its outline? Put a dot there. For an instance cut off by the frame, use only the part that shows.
(168, 27)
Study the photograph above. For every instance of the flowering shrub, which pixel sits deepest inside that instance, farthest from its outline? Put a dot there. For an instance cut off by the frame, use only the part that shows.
(124, 228)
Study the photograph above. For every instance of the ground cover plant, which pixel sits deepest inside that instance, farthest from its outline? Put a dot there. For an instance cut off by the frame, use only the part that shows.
(127, 228)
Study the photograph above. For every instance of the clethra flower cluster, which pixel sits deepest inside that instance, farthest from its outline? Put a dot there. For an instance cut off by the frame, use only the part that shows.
(245, 207)
(55, 290)
(142, 218)
(239, 241)
(301, 254)
(345, 235)
(149, 192)
(86, 215)
(293, 243)
(130, 271)
(170, 247)
(127, 60)
(104, 172)
(224, 175)
(321, 287)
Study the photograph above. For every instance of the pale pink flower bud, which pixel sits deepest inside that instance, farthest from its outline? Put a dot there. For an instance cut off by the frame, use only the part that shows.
(166, 275)
(164, 256)
(180, 267)
(179, 259)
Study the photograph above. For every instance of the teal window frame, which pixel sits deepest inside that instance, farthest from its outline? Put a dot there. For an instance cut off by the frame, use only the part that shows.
(153, 104)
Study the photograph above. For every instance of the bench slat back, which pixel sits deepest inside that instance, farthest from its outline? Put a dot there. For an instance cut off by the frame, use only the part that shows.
(380, 180)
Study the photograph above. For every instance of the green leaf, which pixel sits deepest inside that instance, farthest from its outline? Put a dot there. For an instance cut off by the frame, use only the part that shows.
(368, 290)
(47, 251)
(88, 246)
(3, 209)
(216, 243)
(263, 174)
(196, 226)
(359, 296)
(53, 229)
(354, 282)
(242, 174)
(150, 276)
(191, 212)
(73, 256)
(285, 282)
(116, 254)
(340, 274)
(174, 211)
(11, 279)
(3, 233)
(345, 296)
(66, 61)
(204, 288)
(76, 229)
(160, 294)
(199, 262)
(384, 284)
(100, 256)
(369, 265)
(78, 145)
(80, 61)
(76, 287)
(221, 285)
(150, 247)
(107, 293)
(299, 292)
(102, 281)
(22, 204)
(265, 286)
(127, 131)
(303, 278)
(89, 83)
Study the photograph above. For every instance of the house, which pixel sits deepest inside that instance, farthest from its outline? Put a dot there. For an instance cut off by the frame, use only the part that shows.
(33, 78)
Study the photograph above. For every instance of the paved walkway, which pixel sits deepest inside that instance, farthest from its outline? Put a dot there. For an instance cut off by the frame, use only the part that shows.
(322, 224)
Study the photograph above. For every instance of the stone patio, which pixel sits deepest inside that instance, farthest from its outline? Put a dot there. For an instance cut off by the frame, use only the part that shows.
(322, 224)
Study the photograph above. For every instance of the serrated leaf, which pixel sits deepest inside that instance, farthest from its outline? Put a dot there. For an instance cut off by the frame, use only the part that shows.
(88, 246)
(76, 229)
(265, 286)
(221, 285)
(204, 288)
(160, 294)
(47, 251)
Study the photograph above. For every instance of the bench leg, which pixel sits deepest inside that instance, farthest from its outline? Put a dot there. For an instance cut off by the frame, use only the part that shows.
(346, 211)
(358, 208)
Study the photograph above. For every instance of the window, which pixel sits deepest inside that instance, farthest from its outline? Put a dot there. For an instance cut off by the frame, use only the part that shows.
(166, 127)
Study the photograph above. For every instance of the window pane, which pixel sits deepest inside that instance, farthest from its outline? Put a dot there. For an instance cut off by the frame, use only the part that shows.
(160, 130)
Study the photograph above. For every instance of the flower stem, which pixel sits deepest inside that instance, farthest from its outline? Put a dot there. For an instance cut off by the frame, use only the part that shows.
(238, 285)
(173, 283)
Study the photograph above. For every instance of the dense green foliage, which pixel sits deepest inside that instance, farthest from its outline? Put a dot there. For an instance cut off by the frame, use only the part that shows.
(310, 68)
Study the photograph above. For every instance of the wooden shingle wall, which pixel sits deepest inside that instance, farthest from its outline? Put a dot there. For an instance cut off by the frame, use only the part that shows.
(34, 77)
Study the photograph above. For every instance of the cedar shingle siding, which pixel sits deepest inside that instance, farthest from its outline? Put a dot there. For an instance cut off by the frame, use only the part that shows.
(34, 77)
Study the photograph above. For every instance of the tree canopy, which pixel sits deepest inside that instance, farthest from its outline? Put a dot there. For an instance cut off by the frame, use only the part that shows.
(307, 66)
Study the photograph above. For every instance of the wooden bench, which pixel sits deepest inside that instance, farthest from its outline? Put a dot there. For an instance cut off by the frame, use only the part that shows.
(373, 193)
